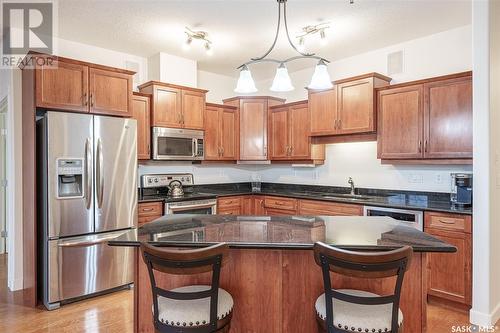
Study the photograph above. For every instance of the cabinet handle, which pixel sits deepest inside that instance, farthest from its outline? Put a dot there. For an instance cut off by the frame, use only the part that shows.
(420, 146)
(222, 151)
(446, 222)
(425, 146)
(340, 124)
(85, 100)
(182, 118)
(335, 124)
(92, 100)
(147, 209)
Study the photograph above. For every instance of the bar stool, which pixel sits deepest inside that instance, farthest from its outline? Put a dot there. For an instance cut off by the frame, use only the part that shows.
(194, 308)
(348, 310)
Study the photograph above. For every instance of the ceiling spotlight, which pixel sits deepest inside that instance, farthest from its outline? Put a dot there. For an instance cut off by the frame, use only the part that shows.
(323, 40)
(199, 35)
(208, 48)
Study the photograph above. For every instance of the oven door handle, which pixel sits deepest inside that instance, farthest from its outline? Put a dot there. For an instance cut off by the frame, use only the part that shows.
(179, 208)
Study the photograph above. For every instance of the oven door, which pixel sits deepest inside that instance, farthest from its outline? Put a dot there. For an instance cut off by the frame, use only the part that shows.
(176, 144)
(201, 207)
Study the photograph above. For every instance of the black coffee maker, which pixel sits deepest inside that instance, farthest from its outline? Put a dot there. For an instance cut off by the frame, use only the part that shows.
(461, 189)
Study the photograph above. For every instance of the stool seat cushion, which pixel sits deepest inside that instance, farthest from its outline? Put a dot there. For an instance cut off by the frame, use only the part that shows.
(358, 317)
(192, 312)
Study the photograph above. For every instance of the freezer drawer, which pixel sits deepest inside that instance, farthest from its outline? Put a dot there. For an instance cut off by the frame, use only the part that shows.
(85, 265)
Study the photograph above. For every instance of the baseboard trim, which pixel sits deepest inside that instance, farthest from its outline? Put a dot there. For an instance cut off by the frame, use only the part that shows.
(485, 319)
(15, 284)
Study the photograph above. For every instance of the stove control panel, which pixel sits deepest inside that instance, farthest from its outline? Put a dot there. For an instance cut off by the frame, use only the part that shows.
(150, 181)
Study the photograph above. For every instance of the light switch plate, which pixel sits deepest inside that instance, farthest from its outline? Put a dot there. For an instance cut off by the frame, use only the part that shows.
(415, 178)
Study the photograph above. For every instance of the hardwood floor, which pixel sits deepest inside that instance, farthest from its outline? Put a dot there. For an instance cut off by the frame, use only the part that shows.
(113, 313)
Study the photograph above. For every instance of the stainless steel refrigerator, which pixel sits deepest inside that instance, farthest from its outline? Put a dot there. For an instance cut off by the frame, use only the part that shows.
(88, 177)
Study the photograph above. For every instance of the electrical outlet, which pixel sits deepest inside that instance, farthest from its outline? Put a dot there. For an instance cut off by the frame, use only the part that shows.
(416, 178)
(439, 179)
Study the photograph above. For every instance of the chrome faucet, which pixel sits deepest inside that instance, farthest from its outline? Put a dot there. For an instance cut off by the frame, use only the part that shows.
(351, 182)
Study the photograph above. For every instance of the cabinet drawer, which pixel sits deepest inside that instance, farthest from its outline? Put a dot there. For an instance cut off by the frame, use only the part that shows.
(448, 221)
(279, 212)
(280, 203)
(150, 209)
(234, 210)
(146, 219)
(313, 207)
(228, 202)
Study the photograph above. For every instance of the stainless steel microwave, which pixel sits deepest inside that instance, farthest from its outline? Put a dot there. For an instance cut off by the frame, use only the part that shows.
(177, 144)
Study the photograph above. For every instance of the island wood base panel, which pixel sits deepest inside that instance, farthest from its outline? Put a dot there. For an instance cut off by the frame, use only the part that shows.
(274, 291)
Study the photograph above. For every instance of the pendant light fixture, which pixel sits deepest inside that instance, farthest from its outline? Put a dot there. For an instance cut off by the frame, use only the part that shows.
(282, 81)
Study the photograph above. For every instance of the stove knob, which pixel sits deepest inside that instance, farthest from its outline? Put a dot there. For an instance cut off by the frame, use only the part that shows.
(156, 180)
(150, 180)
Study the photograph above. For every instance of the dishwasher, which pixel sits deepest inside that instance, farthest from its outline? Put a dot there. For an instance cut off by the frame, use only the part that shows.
(415, 217)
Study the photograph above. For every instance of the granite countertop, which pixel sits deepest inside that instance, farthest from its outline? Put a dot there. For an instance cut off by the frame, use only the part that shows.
(282, 232)
(379, 198)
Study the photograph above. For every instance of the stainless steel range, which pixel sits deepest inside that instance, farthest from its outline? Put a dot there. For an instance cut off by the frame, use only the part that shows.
(164, 186)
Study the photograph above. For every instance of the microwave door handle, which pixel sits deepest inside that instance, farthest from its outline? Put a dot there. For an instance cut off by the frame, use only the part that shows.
(195, 147)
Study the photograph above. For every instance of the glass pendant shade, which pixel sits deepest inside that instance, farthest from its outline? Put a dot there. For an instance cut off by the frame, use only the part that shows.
(321, 78)
(282, 81)
(245, 84)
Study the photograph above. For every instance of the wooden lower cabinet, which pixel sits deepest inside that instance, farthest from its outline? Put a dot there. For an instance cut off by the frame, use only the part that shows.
(149, 211)
(229, 205)
(449, 275)
(315, 207)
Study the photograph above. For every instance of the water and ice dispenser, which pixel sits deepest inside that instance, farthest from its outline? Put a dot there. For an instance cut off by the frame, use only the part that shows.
(70, 178)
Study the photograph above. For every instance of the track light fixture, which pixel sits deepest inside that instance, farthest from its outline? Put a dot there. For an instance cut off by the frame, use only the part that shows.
(199, 35)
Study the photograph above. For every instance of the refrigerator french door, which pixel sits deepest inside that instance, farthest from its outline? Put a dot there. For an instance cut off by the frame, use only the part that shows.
(89, 184)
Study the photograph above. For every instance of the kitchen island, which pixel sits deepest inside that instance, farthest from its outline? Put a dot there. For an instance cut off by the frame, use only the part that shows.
(271, 272)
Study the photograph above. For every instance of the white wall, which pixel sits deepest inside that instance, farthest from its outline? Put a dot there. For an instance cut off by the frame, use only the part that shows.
(486, 228)
(173, 69)
(219, 86)
(444, 53)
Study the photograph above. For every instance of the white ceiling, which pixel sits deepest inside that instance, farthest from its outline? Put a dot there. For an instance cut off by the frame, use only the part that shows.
(241, 29)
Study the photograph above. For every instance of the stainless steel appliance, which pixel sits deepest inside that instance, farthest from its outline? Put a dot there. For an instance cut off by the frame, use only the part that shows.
(177, 144)
(413, 216)
(189, 203)
(88, 173)
(461, 189)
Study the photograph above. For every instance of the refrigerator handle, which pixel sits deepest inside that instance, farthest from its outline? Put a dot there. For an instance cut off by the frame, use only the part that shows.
(88, 171)
(100, 174)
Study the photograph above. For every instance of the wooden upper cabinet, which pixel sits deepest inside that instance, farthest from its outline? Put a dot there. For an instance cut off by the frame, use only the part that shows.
(348, 108)
(110, 92)
(64, 87)
(323, 111)
(141, 109)
(299, 127)
(355, 109)
(289, 129)
(212, 133)
(176, 106)
(429, 120)
(400, 114)
(253, 117)
(448, 118)
(279, 133)
(167, 111)
(221, 132)
(77, 86)
(193, 107)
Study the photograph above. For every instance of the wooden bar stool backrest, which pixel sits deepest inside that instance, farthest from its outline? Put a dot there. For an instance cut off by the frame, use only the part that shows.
(362, 265)
(185, 262)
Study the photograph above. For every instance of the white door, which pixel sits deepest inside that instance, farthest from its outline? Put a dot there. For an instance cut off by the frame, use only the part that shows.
(3, 175)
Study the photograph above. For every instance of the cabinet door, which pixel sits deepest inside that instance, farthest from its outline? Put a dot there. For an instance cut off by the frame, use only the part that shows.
(212, 134)
(279, 212)
(229, 133)
(167, 107)
(193, 107)
(64, 87)
(141, 107)
(400, 130)
(448, 119)
(258, 206)
(247, 204)
(355, 107)
(449, 274)
(299, 125)
(323, 108)
(279, 134)
(253, 129)
(110, 92)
